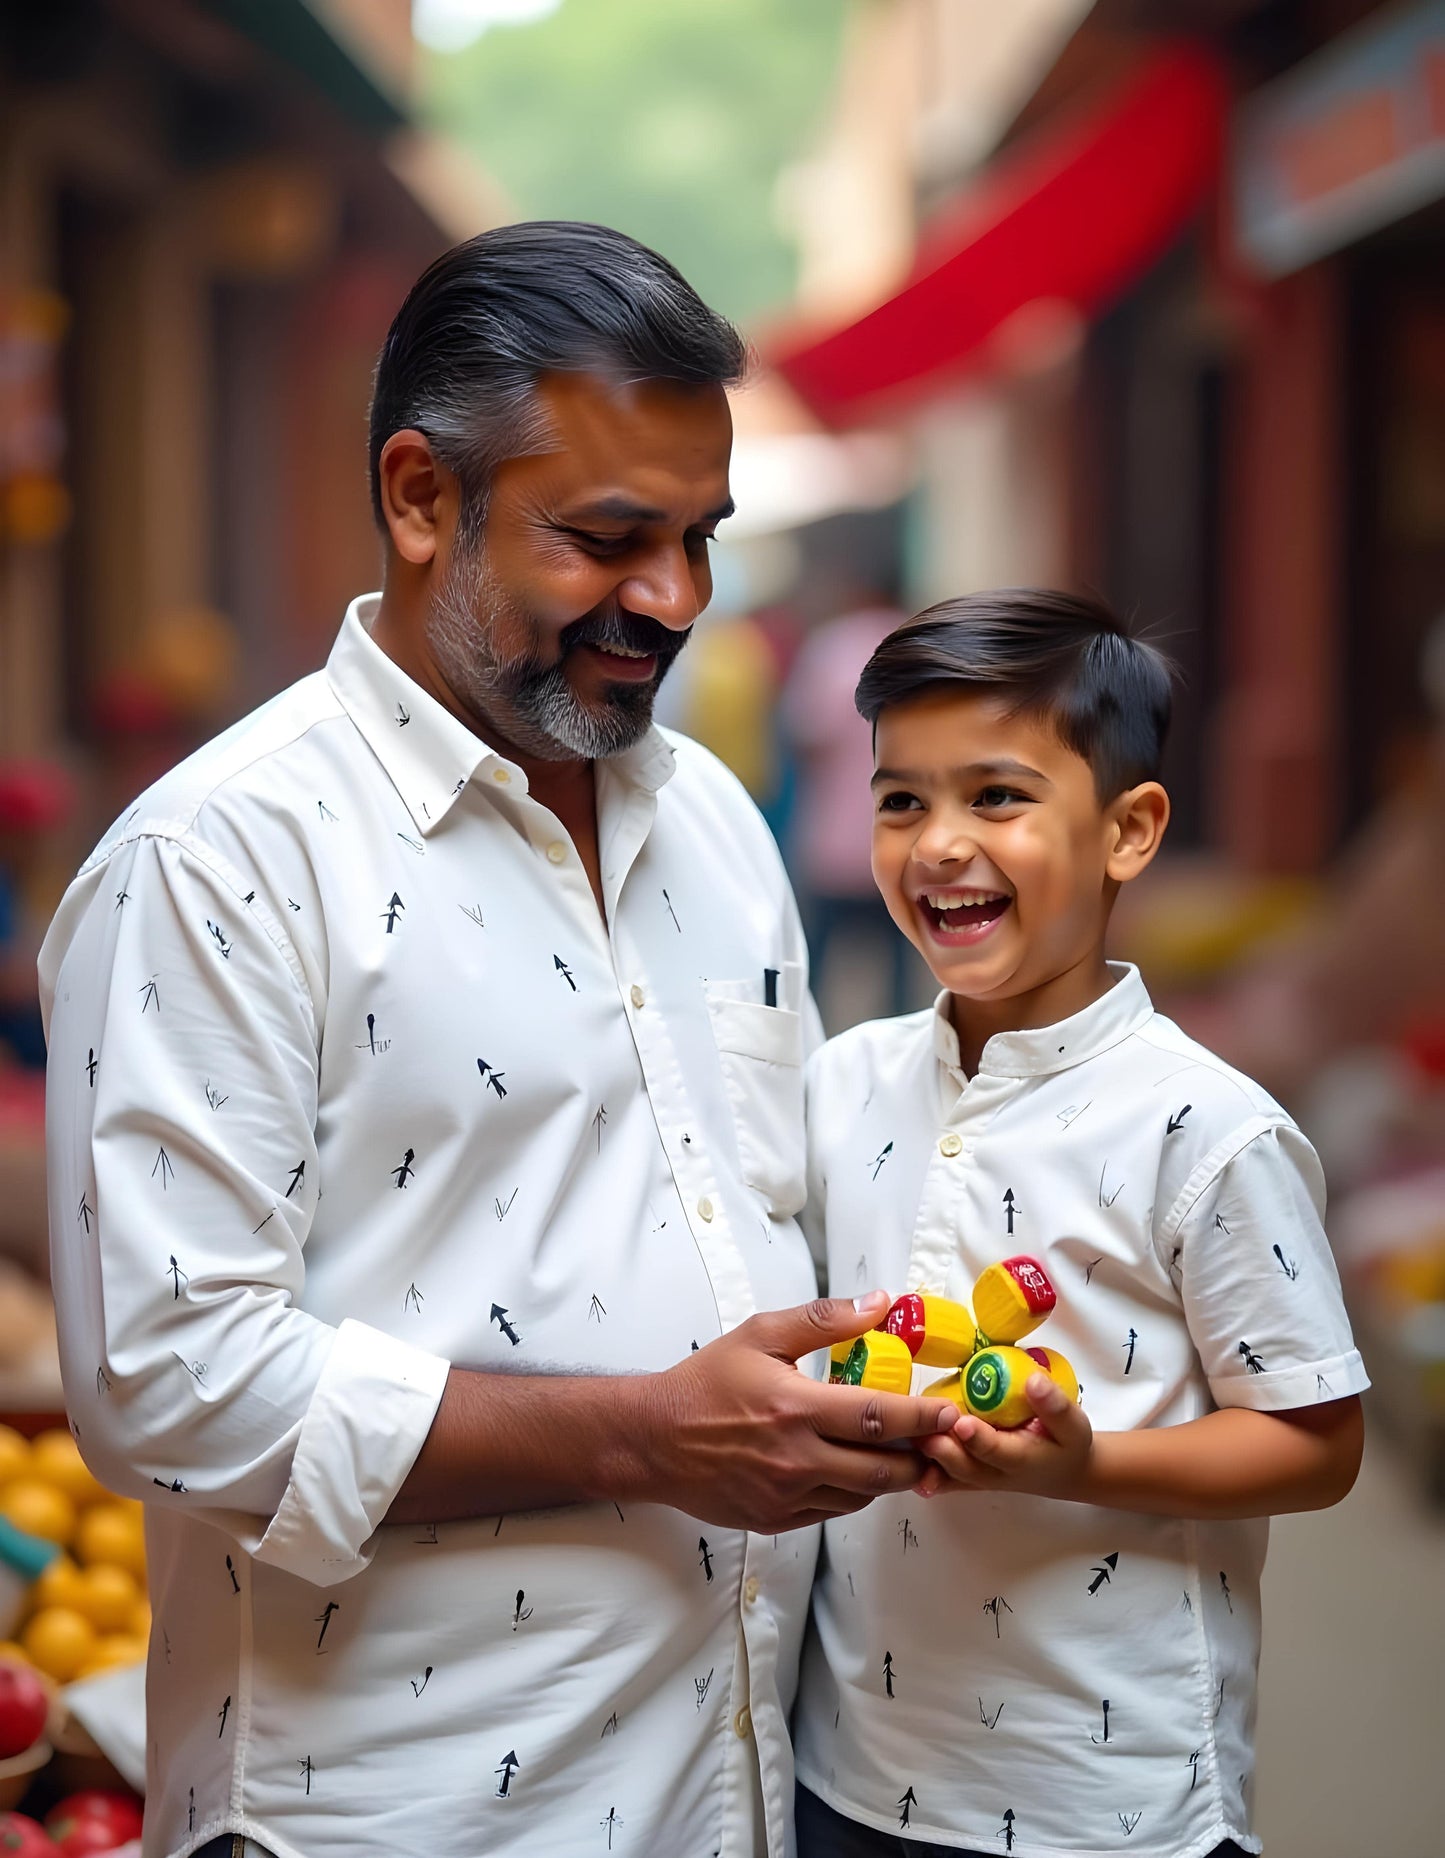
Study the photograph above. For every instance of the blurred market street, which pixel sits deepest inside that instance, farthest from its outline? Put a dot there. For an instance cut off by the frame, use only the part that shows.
(1142, 298)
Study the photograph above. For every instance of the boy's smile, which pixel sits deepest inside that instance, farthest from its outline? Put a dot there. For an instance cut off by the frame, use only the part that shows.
(997, 859)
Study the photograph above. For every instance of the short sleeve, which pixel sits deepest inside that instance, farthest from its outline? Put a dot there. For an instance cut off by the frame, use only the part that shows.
(1260, 1288)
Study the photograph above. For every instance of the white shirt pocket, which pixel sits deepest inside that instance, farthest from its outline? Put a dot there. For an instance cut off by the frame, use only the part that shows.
(761, 1048)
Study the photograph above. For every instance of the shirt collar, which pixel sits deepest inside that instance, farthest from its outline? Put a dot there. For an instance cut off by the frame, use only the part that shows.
(1042, 1049)
(429, 754)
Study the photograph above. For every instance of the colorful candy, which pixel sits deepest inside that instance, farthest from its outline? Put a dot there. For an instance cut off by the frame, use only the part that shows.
(1010, 1300)
(939, 1332)
(875, 1360)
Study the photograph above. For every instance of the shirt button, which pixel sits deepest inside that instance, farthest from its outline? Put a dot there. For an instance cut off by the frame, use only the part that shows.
(556, 852)
(704, 1208)
(743, 1723)
(501, 777)
(750, 1591)
(950, 1145)
(637, 996)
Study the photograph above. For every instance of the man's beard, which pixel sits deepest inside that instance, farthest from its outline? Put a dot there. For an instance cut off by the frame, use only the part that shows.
(530, 702)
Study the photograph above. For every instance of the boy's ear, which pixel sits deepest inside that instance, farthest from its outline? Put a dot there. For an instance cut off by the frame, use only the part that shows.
(1138, 818)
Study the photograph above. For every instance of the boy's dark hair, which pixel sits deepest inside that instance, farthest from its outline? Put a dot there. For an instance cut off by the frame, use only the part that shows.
(480, 326)
(1063, 658)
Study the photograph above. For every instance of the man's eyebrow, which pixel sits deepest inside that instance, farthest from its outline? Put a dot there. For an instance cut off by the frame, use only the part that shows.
(975, 770)
(614, 509)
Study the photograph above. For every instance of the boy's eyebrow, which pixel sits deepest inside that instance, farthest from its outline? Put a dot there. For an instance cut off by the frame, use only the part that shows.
(975, 770)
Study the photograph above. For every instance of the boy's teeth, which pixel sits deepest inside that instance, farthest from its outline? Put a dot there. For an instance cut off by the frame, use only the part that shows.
(961, 899)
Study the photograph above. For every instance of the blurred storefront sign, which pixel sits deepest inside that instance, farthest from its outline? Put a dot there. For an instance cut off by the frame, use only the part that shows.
(34, 503)
(1070, 218)
(1350, 140)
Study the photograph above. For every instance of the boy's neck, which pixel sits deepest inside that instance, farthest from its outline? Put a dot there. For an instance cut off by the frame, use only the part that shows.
(1059, 997)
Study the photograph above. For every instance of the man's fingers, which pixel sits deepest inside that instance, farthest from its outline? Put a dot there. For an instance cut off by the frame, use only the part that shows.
(863, 1416)
(868, 1474)
(791, 1334)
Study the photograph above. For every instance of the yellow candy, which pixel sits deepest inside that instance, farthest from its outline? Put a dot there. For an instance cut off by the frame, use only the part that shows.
(1058, 1368)
(38, 1509)
(113, 1532)
(55, 1459)
(59, 1641)
(106, 1596)
(939, 1332)
(1012, 1298)
(993, 1386)
(14, 1455)
(879, 1361)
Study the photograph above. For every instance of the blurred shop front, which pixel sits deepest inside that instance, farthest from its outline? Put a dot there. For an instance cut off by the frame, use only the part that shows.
(209, 211)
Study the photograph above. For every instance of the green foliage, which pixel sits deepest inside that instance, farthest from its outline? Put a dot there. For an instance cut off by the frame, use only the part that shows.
(670, 119)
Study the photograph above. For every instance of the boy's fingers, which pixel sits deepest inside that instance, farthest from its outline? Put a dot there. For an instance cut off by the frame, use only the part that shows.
(956, 1465)
(1063, 1419)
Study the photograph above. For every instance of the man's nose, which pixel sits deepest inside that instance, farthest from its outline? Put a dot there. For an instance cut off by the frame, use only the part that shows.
(668, 587)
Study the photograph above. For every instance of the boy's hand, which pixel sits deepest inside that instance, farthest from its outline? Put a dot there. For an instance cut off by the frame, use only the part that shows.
(1047, 1457)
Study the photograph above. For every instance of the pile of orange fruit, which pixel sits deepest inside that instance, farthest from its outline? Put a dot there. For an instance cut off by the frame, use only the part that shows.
(88, 1611)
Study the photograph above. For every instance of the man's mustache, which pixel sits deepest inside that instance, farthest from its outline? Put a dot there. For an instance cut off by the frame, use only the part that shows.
(609, 625)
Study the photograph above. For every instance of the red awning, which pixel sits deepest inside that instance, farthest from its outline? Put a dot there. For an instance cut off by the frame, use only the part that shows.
(1072, 215)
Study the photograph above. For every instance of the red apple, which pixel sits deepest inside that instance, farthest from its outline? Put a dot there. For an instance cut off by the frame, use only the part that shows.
(23, 1707)
(23, 1838)
(93, 1821)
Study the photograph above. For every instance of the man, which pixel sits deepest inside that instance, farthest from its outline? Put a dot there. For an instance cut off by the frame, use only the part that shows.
(425, 1132)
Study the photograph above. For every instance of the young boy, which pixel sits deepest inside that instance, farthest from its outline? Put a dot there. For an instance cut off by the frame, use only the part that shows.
(1059, 1656)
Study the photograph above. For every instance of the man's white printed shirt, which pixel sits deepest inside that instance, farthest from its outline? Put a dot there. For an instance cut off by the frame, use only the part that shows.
(349, 1080)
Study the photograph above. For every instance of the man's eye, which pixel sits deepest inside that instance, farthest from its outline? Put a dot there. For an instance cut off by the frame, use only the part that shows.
(598, 544)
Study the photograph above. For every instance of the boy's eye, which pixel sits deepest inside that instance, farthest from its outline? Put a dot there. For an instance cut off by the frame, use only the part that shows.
(897, 803)
(999, 796)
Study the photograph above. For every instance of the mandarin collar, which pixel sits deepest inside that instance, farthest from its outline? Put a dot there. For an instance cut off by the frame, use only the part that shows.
(1042, 1049)
(429, 755)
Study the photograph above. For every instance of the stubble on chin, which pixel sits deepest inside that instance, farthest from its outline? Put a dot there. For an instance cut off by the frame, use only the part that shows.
(529, 703)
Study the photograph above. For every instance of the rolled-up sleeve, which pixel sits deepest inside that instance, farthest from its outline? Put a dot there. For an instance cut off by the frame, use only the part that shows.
(184, 1180)
(1260, 1287)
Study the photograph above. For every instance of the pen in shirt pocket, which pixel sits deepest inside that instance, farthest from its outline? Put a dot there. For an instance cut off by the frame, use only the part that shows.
(770, 986)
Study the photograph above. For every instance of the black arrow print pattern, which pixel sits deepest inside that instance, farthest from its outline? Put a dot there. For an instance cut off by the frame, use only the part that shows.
(704, 1557)
(888, 1675)
(507, 1768)
(994, 1607)
(499, 1317)
(906, 1805)
(1006, 1832)
(878, 1160)
(1103, 1571)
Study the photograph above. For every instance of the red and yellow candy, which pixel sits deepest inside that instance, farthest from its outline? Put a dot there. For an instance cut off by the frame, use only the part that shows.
(939, 1332)
(1010, 1300)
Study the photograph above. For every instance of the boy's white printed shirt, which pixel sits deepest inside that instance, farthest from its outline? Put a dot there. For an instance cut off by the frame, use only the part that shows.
(1006, 1673)
(349, 1080)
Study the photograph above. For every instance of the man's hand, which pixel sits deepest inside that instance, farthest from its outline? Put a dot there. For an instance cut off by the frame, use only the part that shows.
(1047, 1457)
(737, 1436)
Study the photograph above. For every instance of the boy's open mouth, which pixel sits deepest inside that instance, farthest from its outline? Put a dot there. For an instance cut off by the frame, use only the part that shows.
(962, 914)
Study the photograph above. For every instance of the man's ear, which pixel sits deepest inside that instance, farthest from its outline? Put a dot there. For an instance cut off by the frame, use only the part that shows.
(1138, 817)
(418, 496)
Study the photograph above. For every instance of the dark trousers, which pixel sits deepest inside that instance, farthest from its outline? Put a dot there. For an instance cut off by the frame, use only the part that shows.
(822, 1833)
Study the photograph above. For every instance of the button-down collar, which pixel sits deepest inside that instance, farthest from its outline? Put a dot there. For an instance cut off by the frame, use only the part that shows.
(430, 755)
(1101, 1024)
